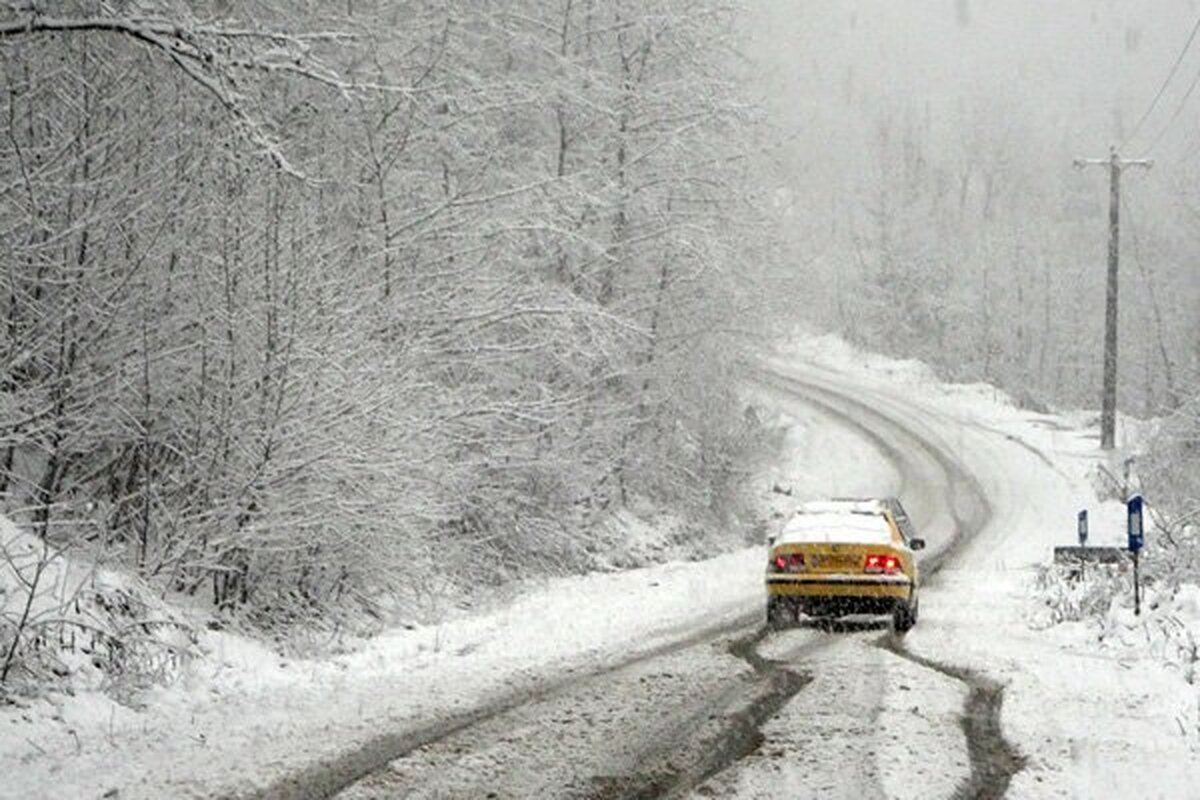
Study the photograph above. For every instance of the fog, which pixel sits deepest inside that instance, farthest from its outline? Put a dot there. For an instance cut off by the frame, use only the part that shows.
(944, 133)
(1077, 75)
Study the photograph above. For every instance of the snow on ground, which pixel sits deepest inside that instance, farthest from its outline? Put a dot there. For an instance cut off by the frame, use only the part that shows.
(1090, 715)
(1098, 708)
(892, 729)
(818, 460)
(241, 716)
(93, 627)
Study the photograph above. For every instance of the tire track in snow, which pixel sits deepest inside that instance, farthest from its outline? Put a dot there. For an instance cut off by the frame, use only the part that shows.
(326, 778)
(994, 761)
(657, 775)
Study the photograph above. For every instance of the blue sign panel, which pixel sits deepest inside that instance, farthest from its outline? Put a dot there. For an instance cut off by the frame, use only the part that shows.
(1083, 527)
(1136, 533)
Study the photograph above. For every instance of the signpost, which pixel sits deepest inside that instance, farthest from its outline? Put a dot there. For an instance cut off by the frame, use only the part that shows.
(1137, 538)
(1077, 557)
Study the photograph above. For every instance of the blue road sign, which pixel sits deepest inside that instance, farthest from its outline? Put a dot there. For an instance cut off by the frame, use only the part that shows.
(1136, 532)
(1083, 528)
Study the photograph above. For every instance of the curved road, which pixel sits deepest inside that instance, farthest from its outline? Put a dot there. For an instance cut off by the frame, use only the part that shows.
(738, 712)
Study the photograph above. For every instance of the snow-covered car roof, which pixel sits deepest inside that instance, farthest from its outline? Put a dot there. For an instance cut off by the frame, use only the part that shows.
(836, 528)
(844, 506)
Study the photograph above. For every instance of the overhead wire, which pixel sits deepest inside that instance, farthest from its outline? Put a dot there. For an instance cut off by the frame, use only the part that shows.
(1178, 110)
(1148, 282)
(1166, 82)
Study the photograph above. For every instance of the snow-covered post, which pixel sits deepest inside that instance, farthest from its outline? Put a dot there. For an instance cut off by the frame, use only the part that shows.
(1115, 164)
(1136, 540)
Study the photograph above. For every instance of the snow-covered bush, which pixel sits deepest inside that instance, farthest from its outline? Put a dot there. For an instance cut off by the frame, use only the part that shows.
(68, 624)
(1107, 485)
(1101, 598)
(1172, 465)
(1068, 594)
(1168, 627)
(1171, 474)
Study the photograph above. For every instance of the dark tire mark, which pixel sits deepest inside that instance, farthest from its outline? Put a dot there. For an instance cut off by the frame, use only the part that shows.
(660, 774)
(325, 778)
(994, 761)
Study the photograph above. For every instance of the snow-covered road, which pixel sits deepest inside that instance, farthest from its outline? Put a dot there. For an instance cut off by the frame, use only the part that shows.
(839, 713)
(973, 703)
(662, 680)
(1080, 720)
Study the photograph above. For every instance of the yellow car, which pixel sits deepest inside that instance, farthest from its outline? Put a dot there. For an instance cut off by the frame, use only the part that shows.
(845, 557)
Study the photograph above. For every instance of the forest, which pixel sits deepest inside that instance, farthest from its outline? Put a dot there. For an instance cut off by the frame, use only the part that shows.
(310, 305)
(445, 398)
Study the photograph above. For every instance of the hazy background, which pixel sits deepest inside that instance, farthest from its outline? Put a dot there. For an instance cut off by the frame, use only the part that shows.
(930, 195)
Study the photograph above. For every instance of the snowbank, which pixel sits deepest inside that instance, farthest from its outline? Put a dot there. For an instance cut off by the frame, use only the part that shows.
(67, 623)
(240, 716)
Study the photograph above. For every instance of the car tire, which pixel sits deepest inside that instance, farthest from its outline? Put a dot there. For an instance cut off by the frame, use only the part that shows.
(779, 613)
(904, 617)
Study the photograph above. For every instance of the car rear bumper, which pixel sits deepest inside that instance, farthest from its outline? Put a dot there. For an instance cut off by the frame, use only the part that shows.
(895, 587)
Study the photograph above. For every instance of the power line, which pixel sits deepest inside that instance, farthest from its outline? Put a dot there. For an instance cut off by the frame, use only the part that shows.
(1178, 110)
(1162, 89)
(1148, 278)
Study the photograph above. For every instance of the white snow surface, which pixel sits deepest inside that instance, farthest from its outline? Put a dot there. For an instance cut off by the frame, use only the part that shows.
(894, 731)
(836, 528)
(1100, 709)
(1111, 718)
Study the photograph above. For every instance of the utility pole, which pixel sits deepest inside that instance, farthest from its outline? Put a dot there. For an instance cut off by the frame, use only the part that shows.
(1108, 406)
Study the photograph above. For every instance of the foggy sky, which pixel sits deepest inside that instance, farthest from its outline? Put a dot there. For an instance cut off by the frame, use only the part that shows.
(1074, 75)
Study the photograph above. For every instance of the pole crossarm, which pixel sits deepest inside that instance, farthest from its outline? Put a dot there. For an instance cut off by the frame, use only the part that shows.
(1120, 163)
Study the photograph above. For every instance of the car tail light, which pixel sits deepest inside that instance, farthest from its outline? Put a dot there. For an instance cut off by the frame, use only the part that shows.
(881, 564)
(788, 562)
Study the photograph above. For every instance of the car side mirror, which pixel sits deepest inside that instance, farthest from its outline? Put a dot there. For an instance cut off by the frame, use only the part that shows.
(916, 544)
